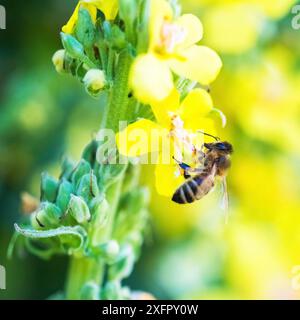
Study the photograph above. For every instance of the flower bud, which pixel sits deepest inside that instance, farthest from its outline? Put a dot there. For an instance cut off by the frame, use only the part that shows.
(49, 187)
(109, 250)
(94, 81)
(64, 194)
(73, 47)
(90, 291)
(100, 211)
(88, 187)
(58, 60)
(47, 216)
(67, 168)
(82, 168)
(79, 209)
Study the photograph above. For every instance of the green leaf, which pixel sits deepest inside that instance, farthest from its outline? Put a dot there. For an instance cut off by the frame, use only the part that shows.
(75, 235)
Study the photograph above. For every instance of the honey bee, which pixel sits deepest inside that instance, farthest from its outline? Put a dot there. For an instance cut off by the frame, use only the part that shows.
(213, 163)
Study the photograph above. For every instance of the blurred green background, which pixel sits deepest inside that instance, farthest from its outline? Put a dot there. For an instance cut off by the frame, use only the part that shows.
(190, 252)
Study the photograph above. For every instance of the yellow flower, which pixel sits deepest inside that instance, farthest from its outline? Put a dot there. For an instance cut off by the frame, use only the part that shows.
(175, 132)
(172, 47)
(108, 7)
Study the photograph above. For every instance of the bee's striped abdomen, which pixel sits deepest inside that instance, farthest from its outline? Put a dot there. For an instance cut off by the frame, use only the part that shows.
(187, 192)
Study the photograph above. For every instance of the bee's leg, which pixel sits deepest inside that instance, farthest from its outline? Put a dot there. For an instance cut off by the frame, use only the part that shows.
(185, 167)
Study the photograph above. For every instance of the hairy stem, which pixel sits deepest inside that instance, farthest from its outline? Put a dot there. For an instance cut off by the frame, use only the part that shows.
(83, 270)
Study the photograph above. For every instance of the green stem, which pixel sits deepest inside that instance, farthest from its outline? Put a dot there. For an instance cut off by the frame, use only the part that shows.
(86, 269)
(117, 109)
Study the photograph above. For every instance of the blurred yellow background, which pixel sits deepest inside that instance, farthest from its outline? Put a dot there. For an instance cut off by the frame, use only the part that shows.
(190, 252)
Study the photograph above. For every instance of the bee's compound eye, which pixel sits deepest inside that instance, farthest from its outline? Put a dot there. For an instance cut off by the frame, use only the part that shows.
(221, 146)
(224, 146)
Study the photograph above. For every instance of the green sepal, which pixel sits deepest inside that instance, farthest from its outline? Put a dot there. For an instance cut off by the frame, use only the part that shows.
(88, 187)
(64, 195)
(110, 173)
(82, 168)
(49, 187)
(90, 151)
(67, 168)
(114, 36)
(85, 28)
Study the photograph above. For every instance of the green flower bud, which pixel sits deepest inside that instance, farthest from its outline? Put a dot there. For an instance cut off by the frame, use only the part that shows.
(94, 81)
(123, 267)
(49, 186)
(90, 291)
(64, 194)
(82, 168)
(58, 60)
(128, 11)
(88, 187)
(112, 291)
(114, 36)
(67, 168)
(73, 47)
(78, 209)
(109, 250)
(47, 216)
(90, 151)
(100, 212)
(85, 29)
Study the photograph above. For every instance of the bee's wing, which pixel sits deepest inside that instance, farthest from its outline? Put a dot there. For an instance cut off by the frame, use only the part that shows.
(225, 200)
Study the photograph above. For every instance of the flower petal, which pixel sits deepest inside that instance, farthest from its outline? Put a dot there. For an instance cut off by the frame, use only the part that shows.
(167, 179)
(161, 109)
(198, 63)
(160, 12)
(197, 104)
(192, 27)
(150, 78)
(108, 7)
(139, 138)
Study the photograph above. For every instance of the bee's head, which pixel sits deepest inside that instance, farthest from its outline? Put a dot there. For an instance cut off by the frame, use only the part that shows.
(221, 146)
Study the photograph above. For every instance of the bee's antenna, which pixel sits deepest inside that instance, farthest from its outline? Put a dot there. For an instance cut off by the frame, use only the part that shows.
(210, 135)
